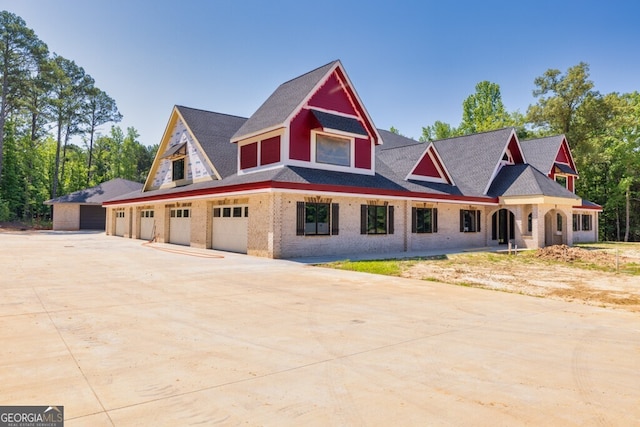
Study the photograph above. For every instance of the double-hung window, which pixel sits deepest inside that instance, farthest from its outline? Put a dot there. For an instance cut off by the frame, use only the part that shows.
(317, 219)
(469, 221)
(424, 220)
(376, 219)
(587, 222)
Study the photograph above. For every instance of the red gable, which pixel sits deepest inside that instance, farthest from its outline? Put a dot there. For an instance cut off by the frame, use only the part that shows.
(429, 168)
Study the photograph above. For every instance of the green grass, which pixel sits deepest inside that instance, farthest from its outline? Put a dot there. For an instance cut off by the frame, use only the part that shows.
(384, 267)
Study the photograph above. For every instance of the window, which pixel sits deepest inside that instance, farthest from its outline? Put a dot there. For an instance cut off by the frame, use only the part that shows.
(226, 212)
(559, 222)
(376, 219)
(216, 212)
(576, 222)
(424, 220)
(562, 180)
(333, 150)
(530, 222)
(237, 212)
(317, 219)
(177, 167)
(246, 211)
(469, 221)
(587, 222)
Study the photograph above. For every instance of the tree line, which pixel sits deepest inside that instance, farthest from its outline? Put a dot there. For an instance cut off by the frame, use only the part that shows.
(603, 131)
(50, 113)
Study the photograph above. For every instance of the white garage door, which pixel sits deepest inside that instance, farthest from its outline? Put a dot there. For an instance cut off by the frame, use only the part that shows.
(121, 225)
(147, 222)
(230, 228)
(180, 226)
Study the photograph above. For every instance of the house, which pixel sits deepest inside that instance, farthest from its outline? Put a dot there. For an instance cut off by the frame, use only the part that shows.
(309, 174)
(83, 210)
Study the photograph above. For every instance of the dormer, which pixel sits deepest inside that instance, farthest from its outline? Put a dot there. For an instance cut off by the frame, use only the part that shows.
(194, 148)
(315, 121)
(552, 156)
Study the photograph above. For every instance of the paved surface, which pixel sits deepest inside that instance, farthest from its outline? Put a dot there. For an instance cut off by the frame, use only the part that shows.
(125, 334)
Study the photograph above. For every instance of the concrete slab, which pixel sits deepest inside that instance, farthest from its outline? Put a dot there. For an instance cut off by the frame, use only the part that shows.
(122, 333)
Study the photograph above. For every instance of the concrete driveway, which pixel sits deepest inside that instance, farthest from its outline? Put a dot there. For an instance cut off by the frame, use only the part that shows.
(125, 334)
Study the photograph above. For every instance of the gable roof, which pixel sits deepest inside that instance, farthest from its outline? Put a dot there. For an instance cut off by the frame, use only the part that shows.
(526, 180)
(213, 132)
(98, 194)
(472, 159)
(282, 103)
(541, 153)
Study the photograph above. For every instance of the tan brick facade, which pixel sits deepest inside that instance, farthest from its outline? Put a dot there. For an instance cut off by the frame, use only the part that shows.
(272, 226)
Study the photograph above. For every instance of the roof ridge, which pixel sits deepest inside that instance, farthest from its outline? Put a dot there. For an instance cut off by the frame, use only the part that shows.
(209, 111)
(560, 135)
(474, 134)
(309, 72)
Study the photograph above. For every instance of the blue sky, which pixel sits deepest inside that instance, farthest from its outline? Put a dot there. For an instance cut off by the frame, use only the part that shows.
(412, 62)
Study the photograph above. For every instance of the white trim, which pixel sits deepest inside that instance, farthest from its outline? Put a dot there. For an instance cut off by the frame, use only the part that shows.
(268, 167)
(258, 133)
(425, 178)
(500, 162)
(352, 148)
(335, 113)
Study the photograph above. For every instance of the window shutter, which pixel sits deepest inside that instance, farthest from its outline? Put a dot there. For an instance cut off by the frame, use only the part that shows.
(494, 228)
(363, 219)
(300, 217)
(461, 220)
(390, 220)
(478, 228)
(335, 218)
(414, 220)
(434, 220)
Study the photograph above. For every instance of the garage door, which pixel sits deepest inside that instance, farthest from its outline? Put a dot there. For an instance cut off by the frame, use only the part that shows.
(92, 217)
(230, 228)
(120, 223)
(180, 226)
(147, 222)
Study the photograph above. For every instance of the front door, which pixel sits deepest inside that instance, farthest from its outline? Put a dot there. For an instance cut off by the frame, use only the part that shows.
(503, 226)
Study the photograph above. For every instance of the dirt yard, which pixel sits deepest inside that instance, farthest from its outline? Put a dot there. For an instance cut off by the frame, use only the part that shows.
(606, 275)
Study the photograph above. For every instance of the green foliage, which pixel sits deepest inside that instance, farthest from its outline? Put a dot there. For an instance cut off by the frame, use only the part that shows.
(484, 110)
(383, 267)
(48, 103)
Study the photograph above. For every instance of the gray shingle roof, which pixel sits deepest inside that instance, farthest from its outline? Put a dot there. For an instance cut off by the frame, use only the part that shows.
(471, 159)
(525, 180)
(279, 106)
(393, 140)
(541, 152)
(402, 159)
(213, 131)
(100, 193)
(335, 122)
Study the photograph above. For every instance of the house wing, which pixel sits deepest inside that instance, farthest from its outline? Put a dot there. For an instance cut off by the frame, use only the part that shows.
(472, 161)
(290, 98)
(204, 135)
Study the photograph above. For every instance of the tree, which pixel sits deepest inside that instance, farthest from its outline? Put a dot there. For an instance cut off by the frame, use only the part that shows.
(69, 94)
(20, 53)
(99, 109)
(484, 110)
(565, 103)
(439, 130)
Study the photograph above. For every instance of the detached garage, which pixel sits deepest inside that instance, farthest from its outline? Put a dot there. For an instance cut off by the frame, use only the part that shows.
(82, 210)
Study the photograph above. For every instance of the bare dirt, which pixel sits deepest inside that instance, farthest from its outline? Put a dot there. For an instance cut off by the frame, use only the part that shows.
(607, 276)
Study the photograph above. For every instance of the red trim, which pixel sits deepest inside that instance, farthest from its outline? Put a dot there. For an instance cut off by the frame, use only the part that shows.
(515, 150)
(305, 187)
(593, 208)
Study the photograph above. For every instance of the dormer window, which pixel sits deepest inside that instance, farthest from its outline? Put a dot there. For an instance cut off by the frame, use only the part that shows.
(333, 150)
(177, 169)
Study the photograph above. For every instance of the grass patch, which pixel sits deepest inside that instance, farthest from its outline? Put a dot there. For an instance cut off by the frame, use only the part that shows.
(384, 267)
